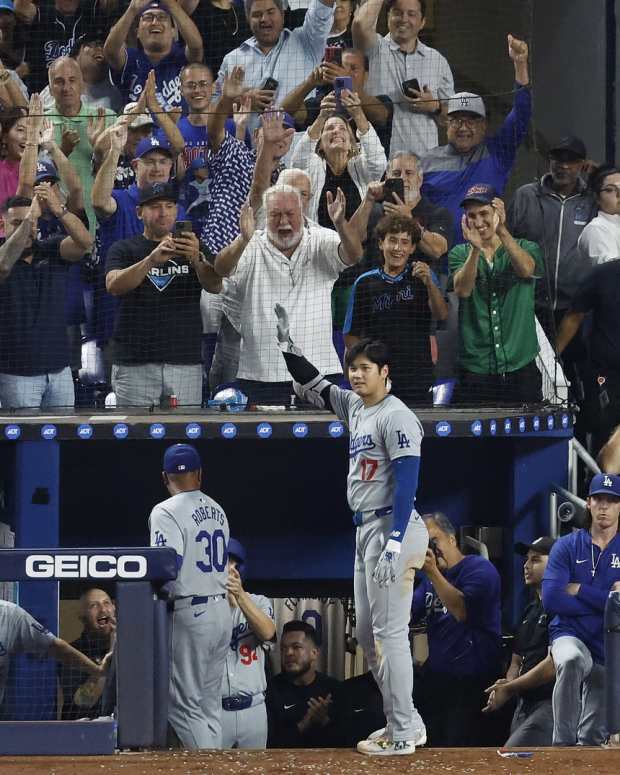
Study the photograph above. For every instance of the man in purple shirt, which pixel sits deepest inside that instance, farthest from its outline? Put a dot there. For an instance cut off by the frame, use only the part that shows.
(159, 22)
(460, 597)
(583, 568)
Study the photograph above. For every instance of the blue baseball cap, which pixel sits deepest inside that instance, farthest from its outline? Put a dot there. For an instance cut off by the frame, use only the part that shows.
(154, 6)
(198, 164)
(148, 144)
(45, 169)
(181, 459)
(236, 549)
(7, 5)
(605, 484)
(482, 193)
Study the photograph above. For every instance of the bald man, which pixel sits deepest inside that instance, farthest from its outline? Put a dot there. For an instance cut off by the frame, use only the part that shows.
(82, 694)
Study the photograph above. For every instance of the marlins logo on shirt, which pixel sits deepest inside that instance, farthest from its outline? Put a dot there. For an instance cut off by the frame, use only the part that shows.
(162, 276)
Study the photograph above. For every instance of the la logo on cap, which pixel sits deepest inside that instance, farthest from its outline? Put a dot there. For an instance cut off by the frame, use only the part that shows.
(607, 482)
(154, 141)
(182, 467)
(464, 102)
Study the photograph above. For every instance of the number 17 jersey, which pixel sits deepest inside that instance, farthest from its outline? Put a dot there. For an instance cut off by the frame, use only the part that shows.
(195, 526)
(378, 435)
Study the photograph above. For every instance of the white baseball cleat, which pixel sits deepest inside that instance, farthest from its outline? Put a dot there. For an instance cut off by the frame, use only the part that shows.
(385, 734)
(386, 747)
(379, 734)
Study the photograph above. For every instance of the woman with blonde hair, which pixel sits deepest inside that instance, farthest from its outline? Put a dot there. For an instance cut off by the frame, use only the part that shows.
(335, 155)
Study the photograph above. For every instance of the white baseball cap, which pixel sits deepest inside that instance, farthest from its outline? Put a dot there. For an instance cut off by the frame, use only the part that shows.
(466, 102)
(144, 119)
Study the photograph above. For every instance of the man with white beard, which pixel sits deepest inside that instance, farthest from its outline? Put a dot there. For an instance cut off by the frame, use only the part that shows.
(294, 264)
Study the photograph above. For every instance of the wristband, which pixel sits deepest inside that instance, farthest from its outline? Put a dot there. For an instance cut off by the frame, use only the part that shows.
(393, 546)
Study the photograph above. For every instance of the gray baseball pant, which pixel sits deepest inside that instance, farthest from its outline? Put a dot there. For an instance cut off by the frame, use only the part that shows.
(578, 695)
(245, 728)
(200, 643)
(382, 618)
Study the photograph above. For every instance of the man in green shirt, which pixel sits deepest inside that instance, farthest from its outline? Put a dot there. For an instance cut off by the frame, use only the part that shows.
(70, 117)
(494, 276)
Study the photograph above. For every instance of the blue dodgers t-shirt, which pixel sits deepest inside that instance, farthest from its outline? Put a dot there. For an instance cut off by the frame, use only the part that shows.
(131, 79)
(473, 647)
(572, 560)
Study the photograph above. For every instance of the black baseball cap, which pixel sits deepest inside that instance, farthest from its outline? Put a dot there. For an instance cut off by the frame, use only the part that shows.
(481, 192)
(541, 545)
(570, 144)
(157, 191)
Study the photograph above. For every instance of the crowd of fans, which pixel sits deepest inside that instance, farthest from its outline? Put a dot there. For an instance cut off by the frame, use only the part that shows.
(171, 169)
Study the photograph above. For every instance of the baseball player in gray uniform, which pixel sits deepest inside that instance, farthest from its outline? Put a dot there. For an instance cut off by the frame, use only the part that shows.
(20, 633)
(244, 715)
(197, 528)
(384, 453)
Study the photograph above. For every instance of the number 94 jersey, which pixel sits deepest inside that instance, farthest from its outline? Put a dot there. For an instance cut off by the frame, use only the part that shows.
(377, 435)
(195, 526)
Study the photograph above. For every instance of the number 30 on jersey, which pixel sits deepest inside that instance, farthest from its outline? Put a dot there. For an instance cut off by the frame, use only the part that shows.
(214, 546)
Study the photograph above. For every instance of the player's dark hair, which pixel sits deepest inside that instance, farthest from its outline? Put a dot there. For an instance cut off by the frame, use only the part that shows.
(442, 522)
(15, 201)
(373, 349)
(296, 625)
(390, 3)
(397, 224)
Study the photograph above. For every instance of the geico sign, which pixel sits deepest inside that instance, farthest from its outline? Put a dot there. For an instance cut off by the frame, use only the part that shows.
(83, 566)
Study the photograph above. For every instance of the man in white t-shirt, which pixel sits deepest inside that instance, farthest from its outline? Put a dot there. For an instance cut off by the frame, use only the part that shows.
(292, 264)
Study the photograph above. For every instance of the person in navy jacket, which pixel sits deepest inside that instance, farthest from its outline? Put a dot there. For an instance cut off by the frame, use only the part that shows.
(583, 567)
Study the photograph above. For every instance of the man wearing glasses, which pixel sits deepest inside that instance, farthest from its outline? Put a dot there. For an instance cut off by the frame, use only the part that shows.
(470, 157)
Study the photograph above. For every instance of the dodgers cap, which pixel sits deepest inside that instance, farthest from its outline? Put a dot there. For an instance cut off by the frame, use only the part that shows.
(181, 459)
(605, 484)
(570, 144)
(148, 144)
(466, 102)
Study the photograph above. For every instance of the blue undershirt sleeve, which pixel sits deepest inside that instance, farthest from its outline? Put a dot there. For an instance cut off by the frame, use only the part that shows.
(406, 472)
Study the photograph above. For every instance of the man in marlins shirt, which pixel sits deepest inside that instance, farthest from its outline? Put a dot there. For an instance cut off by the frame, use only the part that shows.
(583, 567)
(157, 336)
(391, 541)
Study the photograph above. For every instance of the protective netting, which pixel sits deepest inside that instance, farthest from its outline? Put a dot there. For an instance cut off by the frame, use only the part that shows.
(136, 276)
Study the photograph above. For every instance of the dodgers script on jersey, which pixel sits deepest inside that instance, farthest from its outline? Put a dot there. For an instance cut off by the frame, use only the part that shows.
(377, 435)
(197, 528)
(245, 662)
(19, 632)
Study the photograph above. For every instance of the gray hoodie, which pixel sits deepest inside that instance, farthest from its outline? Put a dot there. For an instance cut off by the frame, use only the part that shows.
(539, 214)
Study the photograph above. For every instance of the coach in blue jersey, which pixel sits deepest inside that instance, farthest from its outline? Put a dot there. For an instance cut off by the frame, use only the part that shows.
(460, 598)
(470, 157)
(583, 567)
(159, 23)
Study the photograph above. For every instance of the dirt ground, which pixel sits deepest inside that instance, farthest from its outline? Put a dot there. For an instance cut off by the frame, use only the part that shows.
(456, 761)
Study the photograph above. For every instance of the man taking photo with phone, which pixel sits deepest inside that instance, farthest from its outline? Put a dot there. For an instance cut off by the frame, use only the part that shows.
(159, 275)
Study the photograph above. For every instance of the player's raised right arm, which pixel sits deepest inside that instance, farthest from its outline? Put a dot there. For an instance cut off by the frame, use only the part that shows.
(308, 383)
